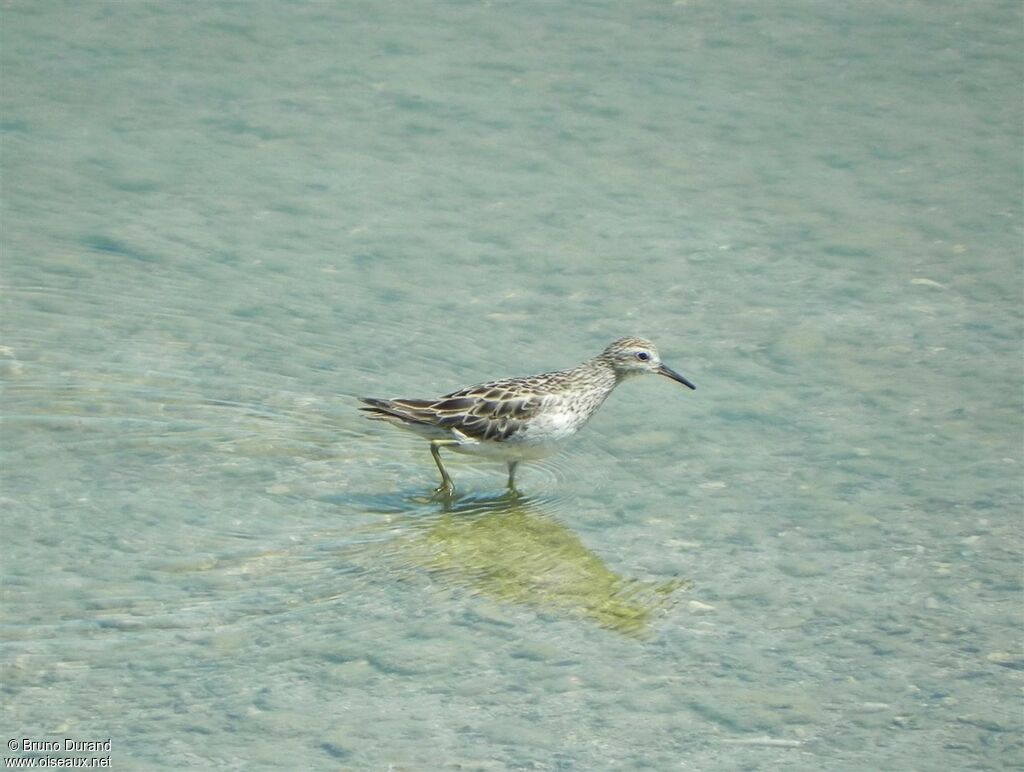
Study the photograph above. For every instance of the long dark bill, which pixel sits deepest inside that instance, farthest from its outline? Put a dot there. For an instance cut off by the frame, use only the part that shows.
(668, 372)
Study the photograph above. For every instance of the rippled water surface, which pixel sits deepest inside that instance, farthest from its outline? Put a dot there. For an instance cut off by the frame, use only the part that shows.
(222, 222)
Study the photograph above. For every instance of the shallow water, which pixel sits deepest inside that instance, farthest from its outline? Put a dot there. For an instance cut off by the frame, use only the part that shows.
(222, 224)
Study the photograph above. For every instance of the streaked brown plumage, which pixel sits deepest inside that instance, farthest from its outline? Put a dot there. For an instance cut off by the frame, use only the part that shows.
(520, 418)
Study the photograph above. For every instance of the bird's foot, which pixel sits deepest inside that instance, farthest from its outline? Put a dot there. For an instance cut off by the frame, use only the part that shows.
(445, 490)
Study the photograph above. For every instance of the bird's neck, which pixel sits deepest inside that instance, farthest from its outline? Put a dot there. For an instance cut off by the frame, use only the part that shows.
(604, 366)
(601, 372)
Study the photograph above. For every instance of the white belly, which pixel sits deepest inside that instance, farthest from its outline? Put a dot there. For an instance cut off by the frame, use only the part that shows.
(543, 436)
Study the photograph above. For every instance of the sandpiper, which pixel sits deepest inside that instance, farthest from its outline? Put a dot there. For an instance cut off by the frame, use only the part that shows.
(519, 419)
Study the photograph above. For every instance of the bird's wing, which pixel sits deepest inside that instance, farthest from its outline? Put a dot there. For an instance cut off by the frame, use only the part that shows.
(491, 411)
(415, 411)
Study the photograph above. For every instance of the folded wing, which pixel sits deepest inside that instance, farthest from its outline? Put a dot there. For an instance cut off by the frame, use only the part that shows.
(483, 413)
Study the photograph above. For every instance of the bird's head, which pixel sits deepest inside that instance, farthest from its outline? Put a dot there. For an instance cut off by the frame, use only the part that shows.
(638, 356)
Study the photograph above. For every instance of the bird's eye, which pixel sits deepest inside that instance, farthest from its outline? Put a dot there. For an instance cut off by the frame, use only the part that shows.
(643, 356)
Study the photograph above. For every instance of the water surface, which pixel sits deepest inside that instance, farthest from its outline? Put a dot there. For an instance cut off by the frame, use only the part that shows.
(221, 224)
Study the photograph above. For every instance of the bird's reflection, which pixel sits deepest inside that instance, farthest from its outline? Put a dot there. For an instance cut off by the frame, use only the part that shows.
(510, 549)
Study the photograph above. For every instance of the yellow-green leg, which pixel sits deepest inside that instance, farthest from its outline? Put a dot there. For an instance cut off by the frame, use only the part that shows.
(447, 487)
(512, 475)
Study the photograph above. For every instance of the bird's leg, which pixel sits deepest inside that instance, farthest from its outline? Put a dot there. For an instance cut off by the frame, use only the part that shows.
(447, 487)
(512, 476)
